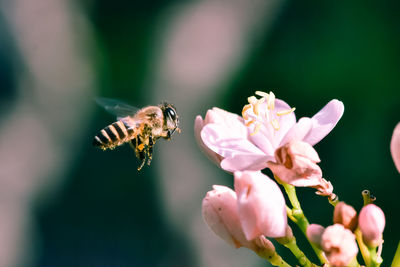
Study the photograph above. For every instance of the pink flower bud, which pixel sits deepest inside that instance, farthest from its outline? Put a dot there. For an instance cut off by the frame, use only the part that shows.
(296, 164)
(345, 215)
(261, 205)
(371, 222)
(339, 245)
(314, 234)
(221, 215)
(395, 146)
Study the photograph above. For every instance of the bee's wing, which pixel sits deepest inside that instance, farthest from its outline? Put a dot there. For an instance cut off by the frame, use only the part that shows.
(116, 107)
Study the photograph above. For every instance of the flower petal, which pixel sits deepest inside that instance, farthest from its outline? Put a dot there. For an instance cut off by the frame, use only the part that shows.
(261, 205)
(395, 146)
(298, 131)
(242, 162)
(198, 126)
(227, 142)
(324, 121)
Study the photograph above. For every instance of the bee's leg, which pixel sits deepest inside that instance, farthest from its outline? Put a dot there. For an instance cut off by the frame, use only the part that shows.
(150, 150)
(140, 152)
(142, 156)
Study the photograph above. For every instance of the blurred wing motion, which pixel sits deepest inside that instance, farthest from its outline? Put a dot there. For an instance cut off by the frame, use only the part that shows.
(116, 107)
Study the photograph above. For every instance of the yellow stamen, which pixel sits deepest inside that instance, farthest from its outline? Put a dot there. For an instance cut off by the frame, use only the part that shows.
(271, 101)
(256, 129)
(262, 94)
(245, 108)
(256, 106)
(140, 147)
(275, 124)
(285, 112)
(250, 122)
(252, 99)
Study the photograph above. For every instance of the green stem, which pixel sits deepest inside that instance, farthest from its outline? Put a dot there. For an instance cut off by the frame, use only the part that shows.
(376, 260)
(396, 259)
(274, 259)
(300, 256)
(354, 263)
(363, 248)
(302, 221)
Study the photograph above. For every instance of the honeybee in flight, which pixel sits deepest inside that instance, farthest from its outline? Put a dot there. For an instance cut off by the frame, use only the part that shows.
(140, 127)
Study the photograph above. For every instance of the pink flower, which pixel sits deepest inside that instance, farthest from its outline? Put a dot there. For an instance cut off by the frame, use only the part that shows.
(371, 222)
(339, 245)
(395, 146)
(261, 205)
(296, 164)
(248, 143)
(345, 215)
(220, 212)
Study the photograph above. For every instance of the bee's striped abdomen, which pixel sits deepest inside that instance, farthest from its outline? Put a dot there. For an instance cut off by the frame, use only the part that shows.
(113, 135)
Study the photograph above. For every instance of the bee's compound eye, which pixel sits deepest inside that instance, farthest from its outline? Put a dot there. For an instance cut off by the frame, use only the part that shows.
(171, 113)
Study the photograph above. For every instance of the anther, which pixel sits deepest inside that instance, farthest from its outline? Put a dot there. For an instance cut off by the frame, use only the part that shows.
(245, 108)
(256, 129)
(256, 106)
(275, 124)
(252, 99)
(262, 94)
(250, 122)
(285, 112)
(271, 101)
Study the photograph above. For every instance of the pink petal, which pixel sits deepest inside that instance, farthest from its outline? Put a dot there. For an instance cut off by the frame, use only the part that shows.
(395, 146)
(198, 126)
(298, 131)
(324, 121)
(242, 162)
(261, 205)
(228, 142)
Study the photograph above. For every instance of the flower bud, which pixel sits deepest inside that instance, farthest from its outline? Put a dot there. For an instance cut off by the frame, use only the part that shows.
(314, 234)
(296, 164)
(261, 205)
(220, 212)
(395, 146)
(371, 222)
(339, 245)
(345, 215)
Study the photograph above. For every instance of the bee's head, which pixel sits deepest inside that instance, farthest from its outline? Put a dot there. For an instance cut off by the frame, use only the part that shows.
(171, 118)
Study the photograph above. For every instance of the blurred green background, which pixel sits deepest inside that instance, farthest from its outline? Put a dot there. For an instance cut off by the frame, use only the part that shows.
(85, 207)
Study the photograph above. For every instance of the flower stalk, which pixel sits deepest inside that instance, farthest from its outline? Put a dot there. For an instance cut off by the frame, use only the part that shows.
(301, 219)
(363, 248)
(274, 259)
(375, 259)
(291, 244)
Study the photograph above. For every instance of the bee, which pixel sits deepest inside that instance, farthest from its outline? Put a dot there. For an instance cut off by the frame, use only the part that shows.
(140, 127)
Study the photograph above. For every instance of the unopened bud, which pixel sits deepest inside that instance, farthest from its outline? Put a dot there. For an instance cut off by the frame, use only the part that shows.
(345, 215)
(371, 222)
(314, 234)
